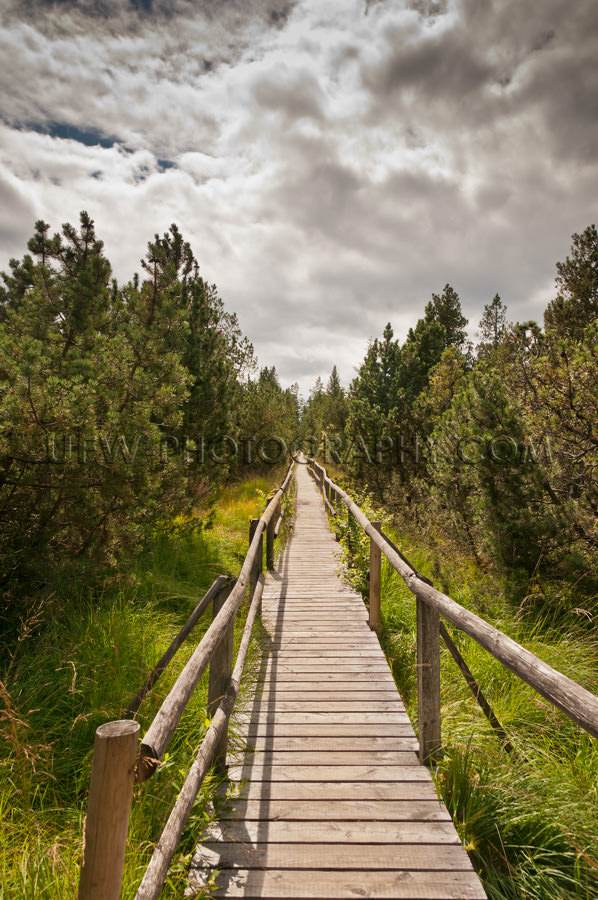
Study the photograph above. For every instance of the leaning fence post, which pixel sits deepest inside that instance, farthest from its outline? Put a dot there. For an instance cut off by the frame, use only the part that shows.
(108, 810)
(256, 569)
(375, 574)
(221, 667)
(428, 681)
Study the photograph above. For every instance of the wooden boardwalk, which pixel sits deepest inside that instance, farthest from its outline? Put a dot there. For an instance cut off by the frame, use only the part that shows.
(332, 800)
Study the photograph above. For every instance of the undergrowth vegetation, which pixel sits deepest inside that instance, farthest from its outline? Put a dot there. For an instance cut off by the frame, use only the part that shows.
(527, 817)
(77, 661)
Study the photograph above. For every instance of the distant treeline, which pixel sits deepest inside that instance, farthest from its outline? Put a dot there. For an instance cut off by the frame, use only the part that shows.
(494, 446)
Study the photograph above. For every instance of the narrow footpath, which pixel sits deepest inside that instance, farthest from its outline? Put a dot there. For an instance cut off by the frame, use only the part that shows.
(331, 799)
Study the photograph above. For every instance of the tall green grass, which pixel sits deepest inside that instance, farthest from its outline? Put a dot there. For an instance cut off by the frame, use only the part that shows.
(528, 818)
(76, 663)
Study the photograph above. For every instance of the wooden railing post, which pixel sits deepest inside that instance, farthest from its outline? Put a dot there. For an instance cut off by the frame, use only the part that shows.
(375, 578)
(270, 535)
(428, 681)
(221, 667)
(108, 810)
(256, 569)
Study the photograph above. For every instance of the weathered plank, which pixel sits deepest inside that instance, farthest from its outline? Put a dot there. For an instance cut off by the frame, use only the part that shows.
(334, 885)
(330, 744)
(314, 856)
(331, 831)
(332, 757)
(325, 729)
(332, 718)
(337, 790)
(323, 696)
(367, 811)
(409, 771)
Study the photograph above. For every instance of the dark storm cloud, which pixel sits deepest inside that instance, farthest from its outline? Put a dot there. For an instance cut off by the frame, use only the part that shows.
(498, 61)
(436, 68)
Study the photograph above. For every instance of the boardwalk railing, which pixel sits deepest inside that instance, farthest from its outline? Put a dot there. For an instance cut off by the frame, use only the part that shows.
(575, 701)
(116, 763)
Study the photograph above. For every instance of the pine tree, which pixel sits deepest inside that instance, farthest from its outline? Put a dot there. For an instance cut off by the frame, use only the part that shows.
(493, 326)
(90, 377)
(445, 309)
(576, 304)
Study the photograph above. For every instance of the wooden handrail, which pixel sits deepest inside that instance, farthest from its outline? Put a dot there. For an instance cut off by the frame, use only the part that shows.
(155, 874)
(575, 701)
(161, 730)
(108, 812)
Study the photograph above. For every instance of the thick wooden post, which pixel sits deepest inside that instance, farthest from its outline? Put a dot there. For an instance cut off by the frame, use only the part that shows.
(270, 535)
(428, 681)
(256, 569)
(108, 809)
(221, 667)
(375, 578)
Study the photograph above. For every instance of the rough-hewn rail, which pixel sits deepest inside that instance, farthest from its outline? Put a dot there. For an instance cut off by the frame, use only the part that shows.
(567, 695)
(114, 760)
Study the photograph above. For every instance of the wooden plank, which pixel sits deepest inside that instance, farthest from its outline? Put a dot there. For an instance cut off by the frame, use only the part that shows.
(325, 885)
(331, 831)
(324, 696)
(290, 664)
(333, 744)
(259, 772)
(328, 706)
(337, 626)
(340, 680)
(332, 634)
(321, 648)
(330, 718)
(319, 645)
(324, 728)
(309, 856)
(365, 758)
(337, 790)
(370, 811)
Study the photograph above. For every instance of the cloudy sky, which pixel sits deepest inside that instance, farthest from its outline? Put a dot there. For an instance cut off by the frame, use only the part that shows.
(332, 162)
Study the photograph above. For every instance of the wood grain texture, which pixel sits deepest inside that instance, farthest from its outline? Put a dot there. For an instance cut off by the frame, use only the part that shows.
(334, 885)
(327, 797)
